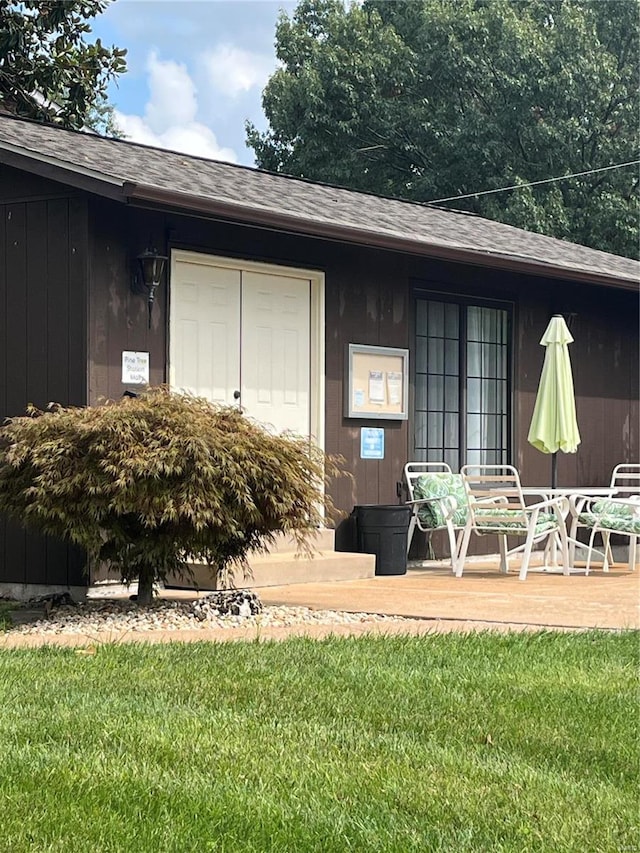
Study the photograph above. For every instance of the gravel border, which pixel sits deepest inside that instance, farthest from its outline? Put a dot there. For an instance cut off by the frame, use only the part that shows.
(95, 617)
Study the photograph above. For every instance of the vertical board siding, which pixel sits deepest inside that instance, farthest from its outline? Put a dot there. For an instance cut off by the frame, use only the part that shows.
(37, 359)
(77, 340)
(18, 186)
(604, 360)
(366, 303)
(605, 368)
(57, 295)
(16, 359)
(57, 237)
(118, 318)
(42, 348)
(369, 300)
(61, 341)
(360, 303)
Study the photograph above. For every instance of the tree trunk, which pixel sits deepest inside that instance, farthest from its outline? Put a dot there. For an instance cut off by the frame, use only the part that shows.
(145, 585)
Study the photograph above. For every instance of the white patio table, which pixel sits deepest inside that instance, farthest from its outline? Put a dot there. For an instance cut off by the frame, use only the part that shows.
(565, 492)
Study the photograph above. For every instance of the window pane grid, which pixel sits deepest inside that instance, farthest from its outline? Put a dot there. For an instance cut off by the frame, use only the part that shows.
(439, 420)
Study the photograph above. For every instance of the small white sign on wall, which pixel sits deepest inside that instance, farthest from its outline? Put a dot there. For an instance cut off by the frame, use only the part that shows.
(135, 368)
(371, 443)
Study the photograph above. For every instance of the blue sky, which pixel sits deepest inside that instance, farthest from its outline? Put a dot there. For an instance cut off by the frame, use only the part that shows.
(196, 71)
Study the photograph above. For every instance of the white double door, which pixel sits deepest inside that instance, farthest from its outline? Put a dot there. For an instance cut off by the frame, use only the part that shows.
(242, 337)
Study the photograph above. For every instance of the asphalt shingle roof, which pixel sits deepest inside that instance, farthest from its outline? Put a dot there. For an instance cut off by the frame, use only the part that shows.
(141, 172)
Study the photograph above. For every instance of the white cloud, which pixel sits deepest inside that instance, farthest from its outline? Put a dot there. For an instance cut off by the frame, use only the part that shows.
(169, 119)
(172, 94)
(232, 70)
(191, 138)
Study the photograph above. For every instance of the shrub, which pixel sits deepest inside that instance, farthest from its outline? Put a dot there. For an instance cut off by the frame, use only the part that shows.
(148, 483)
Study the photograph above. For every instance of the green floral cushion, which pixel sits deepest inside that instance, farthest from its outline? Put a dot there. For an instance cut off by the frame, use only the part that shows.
(513, 520)
(623, 524)
(610, 507)
(613, 515)
(441, 485)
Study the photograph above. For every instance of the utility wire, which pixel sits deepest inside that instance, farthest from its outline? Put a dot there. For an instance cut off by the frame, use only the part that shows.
(535, 183)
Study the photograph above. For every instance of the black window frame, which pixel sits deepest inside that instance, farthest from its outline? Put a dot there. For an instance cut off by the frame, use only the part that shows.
(464, 302)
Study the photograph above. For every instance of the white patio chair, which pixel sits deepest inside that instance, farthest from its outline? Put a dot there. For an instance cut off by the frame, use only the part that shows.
(624, 483)
(496, 505)
(439, 502)
(620, 516)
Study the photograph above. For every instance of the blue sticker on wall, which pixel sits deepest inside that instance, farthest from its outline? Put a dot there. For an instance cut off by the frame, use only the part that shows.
(371, 443)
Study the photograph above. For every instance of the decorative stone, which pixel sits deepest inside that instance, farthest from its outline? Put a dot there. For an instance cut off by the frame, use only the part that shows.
(232, 602)
(51, 601)
(112, 616)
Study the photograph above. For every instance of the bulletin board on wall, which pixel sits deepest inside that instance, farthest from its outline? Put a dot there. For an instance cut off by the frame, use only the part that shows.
(377, 383)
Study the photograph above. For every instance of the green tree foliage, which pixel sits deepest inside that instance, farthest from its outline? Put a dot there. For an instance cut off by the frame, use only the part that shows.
(146, 483)
(101, 117)
(431, 99)
(47, 69)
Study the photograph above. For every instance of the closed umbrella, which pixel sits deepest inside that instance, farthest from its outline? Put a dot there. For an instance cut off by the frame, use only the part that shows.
(554, 426)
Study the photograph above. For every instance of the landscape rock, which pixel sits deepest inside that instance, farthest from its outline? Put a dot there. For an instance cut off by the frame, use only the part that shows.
(51, 601)
(233, 602)
(109, 618)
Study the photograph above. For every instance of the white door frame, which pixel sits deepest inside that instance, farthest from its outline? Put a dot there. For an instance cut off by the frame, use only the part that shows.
(316, 330)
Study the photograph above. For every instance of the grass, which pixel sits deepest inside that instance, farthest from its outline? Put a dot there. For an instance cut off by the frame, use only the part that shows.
(476, 742)
(6, 607)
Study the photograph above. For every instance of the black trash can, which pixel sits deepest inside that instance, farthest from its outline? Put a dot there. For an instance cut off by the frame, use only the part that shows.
(382, 530)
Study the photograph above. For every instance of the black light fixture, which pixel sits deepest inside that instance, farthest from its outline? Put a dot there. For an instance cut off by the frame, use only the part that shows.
(148, 275)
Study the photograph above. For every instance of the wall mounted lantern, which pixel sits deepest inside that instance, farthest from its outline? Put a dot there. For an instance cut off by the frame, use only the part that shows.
(148, 275)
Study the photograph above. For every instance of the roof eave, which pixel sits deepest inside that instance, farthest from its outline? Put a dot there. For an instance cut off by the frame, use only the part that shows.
(119, 189)
(361, 236)
(79, 177)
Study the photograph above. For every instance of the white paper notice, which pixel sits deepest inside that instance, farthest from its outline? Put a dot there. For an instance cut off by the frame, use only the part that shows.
(394, 387)
(135, 368)
(358, 397)
(376, 386)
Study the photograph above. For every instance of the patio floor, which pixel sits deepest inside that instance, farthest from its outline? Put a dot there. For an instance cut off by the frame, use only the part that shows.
(483, 595)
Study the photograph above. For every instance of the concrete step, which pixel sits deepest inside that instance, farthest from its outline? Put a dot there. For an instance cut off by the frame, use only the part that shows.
(323, 540)
(281, 566)
(285, 568)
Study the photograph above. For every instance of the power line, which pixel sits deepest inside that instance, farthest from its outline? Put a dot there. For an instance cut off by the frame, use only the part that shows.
(535, 183)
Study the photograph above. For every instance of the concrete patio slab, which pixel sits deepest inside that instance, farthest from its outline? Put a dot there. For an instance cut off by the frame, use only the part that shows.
(546, 599)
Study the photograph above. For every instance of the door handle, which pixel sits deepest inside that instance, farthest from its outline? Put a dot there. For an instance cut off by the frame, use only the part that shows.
(236, 395)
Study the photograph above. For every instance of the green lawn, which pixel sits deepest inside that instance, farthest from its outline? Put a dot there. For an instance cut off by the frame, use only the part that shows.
(456, 743)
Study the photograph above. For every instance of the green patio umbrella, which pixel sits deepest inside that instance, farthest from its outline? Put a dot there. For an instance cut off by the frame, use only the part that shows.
(554, 426)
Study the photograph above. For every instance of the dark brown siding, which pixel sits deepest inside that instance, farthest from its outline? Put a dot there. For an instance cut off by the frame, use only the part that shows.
(366, 302)
(604, 358)
(118, 319)
(43, 278)
(17, 186)
(66, 262)
(369, 300)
